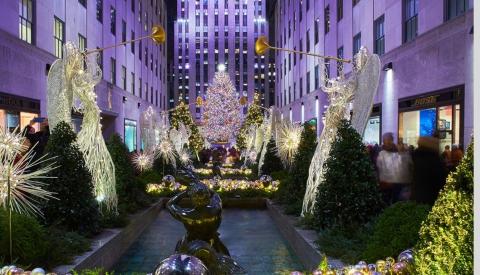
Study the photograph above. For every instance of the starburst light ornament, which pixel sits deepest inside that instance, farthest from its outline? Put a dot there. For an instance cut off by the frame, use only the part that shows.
(288, 140)
(184, 156)
(166, 151)
(143, 161)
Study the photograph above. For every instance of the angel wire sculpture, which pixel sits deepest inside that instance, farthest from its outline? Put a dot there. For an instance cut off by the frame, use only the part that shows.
(70, 84)
(361, 87)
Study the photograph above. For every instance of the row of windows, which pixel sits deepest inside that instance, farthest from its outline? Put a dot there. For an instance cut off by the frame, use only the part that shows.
(410, 25)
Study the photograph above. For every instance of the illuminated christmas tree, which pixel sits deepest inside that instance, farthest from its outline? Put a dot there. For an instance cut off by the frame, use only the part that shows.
(182, 114)
(254, 117)
(221, 116)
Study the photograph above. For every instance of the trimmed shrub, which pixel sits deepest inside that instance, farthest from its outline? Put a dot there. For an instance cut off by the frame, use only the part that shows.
(446, 237)
(271, 162)
(349, 195)
(395, 230)
(29, 244)
(75, 208)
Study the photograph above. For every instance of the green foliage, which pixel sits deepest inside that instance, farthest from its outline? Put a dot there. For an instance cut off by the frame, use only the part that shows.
(128, 188)
(349, 195)
(395, 230)
(181, 114)
(254, 117)
(271, 162)
(75, 208)
(34, 245)
(446, 237)
(96, 271)
(344, 244)
(292, 189)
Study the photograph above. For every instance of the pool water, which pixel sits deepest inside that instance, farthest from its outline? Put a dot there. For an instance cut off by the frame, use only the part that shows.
(250, 235)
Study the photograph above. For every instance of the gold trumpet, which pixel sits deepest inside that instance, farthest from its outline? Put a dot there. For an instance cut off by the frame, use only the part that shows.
(157, 35)
(261, 46)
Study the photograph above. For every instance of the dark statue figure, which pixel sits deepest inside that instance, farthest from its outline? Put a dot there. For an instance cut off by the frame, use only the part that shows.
(201, 222)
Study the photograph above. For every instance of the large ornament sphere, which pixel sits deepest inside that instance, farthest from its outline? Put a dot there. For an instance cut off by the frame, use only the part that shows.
(38, 271)
(15, 271)
(400, 268)
(181, 264)
(406, 256)
(168, 180)
(266, 180)
(244, 167)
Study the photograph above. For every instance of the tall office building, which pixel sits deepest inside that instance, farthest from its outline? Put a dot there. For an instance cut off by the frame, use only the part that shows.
(219, 35)
(32, 36)
(425, 47)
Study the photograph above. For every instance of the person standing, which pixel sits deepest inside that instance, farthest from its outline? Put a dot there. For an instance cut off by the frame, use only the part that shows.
(429, 171)
(447, 157)
(387, 161)
(456, 156)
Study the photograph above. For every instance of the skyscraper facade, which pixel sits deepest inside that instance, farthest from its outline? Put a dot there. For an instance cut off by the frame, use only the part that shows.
(219, 35)
(426, 53)
(32, 36)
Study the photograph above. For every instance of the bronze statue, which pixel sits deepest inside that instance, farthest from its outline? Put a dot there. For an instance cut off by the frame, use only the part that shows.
(201, 222)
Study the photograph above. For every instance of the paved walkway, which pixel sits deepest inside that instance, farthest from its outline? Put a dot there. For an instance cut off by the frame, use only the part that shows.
(250, 235)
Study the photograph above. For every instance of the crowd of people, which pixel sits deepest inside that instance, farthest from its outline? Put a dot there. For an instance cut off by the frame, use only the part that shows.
(408, 173)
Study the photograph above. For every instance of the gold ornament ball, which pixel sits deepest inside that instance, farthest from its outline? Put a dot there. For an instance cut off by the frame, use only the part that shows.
(199, 101)
(158, 34)
(243, 100)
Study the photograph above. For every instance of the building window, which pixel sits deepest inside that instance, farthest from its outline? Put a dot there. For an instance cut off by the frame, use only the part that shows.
(379, 36)
(140, 87)
(124, 78)
(113, 20)
(100, 10)
(339, 64)
(124, 31)
(132, 88)
(113, 71)
(307, 82)
(327, 21)
(317, 77)
(59, 37)
(100, 59)
(83, 2)
(354, 2)
(25, 20)
(130, 134)
(82, 43)
(132, 5)
(139, 50)
(132, 45)
(308, 41)
(411, 20)
(308, 5)
(455, 8)
(339, 10)
(301, 87)
(357, 43)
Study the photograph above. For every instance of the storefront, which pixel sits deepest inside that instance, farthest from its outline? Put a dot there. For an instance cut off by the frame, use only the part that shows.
(130, 134)
(17, 112)
(373, 130)
(439, 113)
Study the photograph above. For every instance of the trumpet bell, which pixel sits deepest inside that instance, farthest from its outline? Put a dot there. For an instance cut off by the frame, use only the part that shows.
(158, 34)
(261, 45)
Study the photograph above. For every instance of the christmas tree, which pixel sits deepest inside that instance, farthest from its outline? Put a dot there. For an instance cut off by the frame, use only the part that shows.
(254, 117)
(221, 116)
(181, 114)
(76, 208)
(446, 236)
(272, 162)
(349, 195)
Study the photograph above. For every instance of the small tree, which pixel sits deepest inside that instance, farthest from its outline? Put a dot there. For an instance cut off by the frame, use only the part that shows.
(349, 195)
(76, 208)
(292, 191)
(128, 187)
(254, 117)
(181, 114)
(272, 162)
(446, 237)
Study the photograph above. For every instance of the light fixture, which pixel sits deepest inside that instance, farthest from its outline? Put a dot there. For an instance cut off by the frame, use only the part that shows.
(221, 67)
(139, 104)
(388, 66)
(124, 99)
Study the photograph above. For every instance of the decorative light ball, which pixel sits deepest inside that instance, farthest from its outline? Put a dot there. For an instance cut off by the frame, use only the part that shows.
(317, 272)
(199, 102)
(168, 180)
(390, 261)
(181, 264)
(15, 271)
(266, 180)
(330, 272)
(243, 100)
(372, 267)
(296, 273)
(381, 264)
(400, 268)
(243, 167)
(361, 266)
(38, 271)
(6, 269)
(406, 256)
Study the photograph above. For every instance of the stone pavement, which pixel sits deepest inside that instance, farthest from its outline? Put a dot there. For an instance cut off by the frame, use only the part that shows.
(250, 235)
